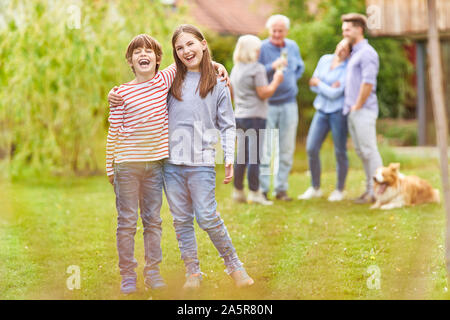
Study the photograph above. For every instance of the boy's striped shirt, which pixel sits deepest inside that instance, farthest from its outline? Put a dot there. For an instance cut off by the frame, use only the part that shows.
(138, 129)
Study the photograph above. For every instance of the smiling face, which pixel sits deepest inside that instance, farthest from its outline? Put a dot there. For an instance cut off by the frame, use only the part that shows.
(189, 50)
(278, 32)
(143, 61)
(144, 55)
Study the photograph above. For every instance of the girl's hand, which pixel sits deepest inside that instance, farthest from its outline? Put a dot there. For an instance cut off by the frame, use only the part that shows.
(114, 99)
(228, 173)
(111, 179)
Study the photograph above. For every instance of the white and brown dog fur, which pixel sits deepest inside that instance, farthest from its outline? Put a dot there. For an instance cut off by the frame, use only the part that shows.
(395, 190)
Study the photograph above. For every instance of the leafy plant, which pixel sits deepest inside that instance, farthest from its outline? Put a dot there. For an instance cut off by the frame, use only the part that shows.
(58, 61)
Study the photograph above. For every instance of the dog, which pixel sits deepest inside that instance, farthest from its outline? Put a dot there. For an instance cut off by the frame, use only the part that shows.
(395, 190)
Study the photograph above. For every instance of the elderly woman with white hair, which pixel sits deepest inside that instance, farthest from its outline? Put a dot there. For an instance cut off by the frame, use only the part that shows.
(251, 89)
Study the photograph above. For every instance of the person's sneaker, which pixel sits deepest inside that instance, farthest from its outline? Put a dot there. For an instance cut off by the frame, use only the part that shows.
(154, 280)
(239, 196)
(258, 197)
(310, 193)
(265, 195)
(282, 195)
(364, 199)
(128, 285)
(336, 195)
(241, 278)
(193, 281)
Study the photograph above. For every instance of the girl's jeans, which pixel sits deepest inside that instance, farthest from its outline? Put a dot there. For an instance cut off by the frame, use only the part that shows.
(190, 192)
(138, 184)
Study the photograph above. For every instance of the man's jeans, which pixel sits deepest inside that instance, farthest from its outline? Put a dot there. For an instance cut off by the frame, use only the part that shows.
(190, 192)
(248, 153)
(321, 124)
(362, 127)
(138, 184)
(284, 118)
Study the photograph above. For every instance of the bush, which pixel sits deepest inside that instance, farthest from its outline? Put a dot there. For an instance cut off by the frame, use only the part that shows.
(55, 78)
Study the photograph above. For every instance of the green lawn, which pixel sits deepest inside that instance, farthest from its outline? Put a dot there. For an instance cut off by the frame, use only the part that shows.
(297, 250)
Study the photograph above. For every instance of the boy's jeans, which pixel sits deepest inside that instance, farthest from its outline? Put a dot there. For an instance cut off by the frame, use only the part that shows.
(284, 118)
(321, 124)
(190, 192)
(248, 153)
(138, 184)
(362, 127)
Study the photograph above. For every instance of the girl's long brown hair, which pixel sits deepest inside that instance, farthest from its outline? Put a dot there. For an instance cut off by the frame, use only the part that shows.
(208, 78)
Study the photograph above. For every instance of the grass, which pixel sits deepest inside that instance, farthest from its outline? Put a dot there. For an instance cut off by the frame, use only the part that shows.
(297, 250)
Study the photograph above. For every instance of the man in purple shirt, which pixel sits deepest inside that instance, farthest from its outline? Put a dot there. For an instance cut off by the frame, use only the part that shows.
(360, 98)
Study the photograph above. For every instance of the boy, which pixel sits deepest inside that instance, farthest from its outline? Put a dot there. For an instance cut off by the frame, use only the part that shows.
(137, 143)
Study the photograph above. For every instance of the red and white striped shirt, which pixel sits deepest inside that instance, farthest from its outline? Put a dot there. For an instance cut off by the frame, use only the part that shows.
(138, 129)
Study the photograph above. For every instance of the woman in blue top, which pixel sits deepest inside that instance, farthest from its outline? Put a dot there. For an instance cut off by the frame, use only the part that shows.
(328, 82)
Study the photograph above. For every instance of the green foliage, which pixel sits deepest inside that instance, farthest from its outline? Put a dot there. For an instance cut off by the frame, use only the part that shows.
(222, 48)
(398, 132)
(54, 78)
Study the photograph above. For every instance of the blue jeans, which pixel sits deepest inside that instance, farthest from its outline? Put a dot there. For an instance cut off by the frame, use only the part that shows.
(190, 192)
(284, 118)
(248, 152)
(321, 124)
(138, 184)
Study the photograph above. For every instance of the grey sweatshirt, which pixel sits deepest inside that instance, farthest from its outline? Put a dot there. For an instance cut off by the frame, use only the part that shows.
(195, 124)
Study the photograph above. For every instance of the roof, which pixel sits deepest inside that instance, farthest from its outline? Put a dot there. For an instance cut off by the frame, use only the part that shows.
(231, 16)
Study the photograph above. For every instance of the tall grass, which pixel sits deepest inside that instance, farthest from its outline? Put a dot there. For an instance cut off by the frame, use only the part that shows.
(56, 71)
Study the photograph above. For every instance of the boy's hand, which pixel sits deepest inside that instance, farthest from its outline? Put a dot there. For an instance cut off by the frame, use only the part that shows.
(222, 72)
(113, 98)
(228, 173)
(111, 179)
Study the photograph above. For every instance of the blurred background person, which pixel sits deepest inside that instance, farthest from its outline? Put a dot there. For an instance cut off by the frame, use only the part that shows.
(328, 81)
(250, 90)
(278, 52)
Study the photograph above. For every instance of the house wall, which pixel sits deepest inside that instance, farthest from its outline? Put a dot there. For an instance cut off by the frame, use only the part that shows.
(405, 17)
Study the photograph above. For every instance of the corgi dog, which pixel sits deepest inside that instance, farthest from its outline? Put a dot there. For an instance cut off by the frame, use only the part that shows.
(395, 190)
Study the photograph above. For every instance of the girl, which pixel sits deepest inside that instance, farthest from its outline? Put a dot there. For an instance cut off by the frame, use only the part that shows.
(198, 106)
